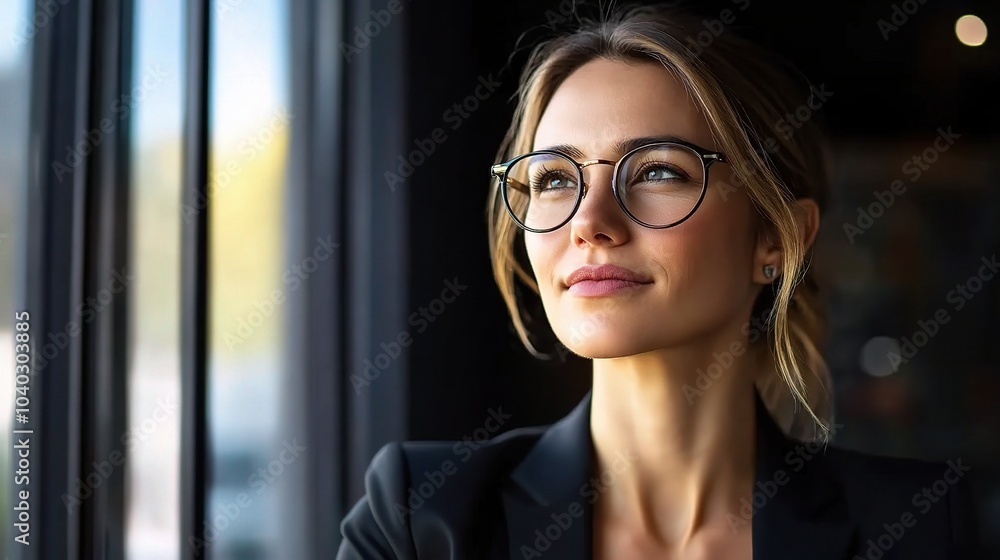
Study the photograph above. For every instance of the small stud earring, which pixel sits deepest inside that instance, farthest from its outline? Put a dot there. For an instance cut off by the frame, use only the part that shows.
(768, 271)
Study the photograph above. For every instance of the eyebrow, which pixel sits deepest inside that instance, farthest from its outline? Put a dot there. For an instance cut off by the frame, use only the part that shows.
(620, 148)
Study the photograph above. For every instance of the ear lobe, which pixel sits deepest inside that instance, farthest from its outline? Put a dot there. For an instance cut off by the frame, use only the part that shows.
(768, 253)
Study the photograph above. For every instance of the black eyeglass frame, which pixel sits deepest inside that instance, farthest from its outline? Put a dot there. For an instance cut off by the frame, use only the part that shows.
(708, 157)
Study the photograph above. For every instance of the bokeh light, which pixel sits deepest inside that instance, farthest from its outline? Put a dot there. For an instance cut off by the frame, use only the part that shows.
(971, 30)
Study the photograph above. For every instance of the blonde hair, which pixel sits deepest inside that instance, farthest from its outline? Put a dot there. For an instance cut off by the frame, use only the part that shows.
(744, 93)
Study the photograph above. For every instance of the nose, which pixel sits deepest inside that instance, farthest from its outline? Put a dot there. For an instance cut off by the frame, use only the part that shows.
(599, 221)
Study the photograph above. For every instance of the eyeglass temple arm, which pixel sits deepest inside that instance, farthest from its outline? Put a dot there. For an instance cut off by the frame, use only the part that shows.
(498, 171)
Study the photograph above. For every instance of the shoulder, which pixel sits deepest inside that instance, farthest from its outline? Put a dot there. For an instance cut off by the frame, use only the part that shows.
(429, 483)
(889, 496)
(470, 459)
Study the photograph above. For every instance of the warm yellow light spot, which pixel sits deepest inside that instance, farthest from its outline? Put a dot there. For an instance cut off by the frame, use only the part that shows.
(971, 30)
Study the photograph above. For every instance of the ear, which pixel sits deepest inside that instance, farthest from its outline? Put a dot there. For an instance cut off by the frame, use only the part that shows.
(768, 251)
(807, 218)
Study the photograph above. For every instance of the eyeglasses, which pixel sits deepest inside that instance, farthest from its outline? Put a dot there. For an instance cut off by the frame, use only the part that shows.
(658, 185)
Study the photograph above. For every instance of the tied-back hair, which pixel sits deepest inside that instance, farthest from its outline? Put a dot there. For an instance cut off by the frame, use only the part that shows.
(744, 92)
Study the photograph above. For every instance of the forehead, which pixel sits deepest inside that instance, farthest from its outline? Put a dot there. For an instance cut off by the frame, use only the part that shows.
(606, 101)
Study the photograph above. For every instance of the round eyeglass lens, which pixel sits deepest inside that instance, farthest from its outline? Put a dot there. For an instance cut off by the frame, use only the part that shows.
(661, 184)
(542, 190)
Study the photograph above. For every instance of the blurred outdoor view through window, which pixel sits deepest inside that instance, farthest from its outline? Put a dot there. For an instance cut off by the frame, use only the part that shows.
(15, 93)
(249, 129)
(250, 125)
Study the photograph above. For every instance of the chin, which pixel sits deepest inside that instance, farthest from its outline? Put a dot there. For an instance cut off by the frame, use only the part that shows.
(605, 350)
(605, 342)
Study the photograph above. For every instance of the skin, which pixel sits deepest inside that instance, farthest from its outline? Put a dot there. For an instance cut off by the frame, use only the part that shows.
(691, 461)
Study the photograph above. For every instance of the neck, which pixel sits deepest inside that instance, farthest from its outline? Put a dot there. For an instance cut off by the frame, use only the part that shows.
(686, 419)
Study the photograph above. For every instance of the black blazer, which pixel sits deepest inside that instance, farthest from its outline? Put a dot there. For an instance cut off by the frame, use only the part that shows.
(528, 494)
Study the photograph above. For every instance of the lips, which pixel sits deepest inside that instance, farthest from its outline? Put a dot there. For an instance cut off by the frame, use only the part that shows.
(605, 272)
(603, 280)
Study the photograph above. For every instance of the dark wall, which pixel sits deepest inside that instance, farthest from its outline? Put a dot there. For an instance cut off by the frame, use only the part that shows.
(469, 359)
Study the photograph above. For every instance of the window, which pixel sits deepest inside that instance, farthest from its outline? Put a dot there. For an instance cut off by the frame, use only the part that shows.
(15, 82)
(153, 487)
(251, 124)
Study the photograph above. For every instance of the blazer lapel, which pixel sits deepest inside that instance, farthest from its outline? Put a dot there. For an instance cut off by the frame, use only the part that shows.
(797, 509)
(546, 503)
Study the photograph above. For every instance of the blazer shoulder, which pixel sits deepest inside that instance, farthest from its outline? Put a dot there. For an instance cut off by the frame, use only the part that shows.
(888, 490)
(858, 468)
(446, 481)
(863, 464)
(372, 529)
(492, 455)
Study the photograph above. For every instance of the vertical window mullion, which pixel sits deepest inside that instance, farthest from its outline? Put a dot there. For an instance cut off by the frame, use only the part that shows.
(316, 333)
(106, 286)
(54, 276)
(194, 282)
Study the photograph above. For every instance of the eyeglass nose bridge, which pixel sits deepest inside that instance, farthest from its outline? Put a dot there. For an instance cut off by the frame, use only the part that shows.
(587, 163)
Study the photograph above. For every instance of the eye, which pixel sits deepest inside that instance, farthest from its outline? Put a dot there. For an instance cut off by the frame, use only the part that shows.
(551, 180)
(660, 173)
(656, 171)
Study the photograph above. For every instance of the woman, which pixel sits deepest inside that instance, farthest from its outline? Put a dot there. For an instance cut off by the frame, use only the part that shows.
(666, 216)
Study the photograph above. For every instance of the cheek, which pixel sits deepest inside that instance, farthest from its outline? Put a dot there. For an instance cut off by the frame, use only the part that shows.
(543, 254)
(710, 251)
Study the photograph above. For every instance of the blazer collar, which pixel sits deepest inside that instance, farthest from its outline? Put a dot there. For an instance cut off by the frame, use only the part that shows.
(798, 510)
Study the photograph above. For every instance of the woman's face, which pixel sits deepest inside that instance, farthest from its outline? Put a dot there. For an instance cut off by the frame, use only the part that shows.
(695, 279)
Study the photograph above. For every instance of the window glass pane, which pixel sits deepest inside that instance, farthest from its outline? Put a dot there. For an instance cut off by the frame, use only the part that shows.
(153, 437)
(250, 131)
(16, 28)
